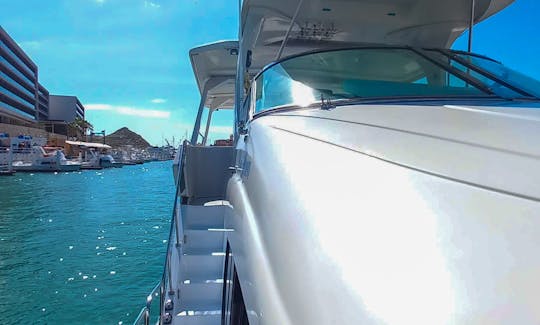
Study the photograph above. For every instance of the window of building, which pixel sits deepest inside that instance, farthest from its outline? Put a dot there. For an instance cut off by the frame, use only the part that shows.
(16, 96)
(15, 70)
(15, 57)
(16, 110)
(17, 84)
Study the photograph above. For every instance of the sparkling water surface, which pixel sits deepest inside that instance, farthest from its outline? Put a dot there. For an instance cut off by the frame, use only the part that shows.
(84, 247)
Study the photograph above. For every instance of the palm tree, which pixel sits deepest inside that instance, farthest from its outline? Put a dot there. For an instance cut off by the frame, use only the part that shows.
(79, 128)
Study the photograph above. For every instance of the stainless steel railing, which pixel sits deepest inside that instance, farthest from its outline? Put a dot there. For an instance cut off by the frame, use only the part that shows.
(175, 234)
(144, 315)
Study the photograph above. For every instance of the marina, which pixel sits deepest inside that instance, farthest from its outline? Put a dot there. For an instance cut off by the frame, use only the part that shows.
(26, 154)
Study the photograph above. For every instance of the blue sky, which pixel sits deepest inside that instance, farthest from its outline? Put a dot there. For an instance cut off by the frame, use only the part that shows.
(127, 60)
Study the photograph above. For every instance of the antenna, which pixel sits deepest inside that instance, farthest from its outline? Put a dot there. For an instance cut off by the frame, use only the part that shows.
(471, 25)
(284, 42)
(240, 18)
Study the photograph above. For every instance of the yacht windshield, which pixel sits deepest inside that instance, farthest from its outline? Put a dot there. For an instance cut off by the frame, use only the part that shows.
(502, 73)
(368, 73)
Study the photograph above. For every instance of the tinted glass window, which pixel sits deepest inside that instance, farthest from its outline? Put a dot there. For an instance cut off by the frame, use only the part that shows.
(357, 73)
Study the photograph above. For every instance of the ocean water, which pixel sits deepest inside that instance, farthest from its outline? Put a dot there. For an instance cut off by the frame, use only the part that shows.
(82, 248)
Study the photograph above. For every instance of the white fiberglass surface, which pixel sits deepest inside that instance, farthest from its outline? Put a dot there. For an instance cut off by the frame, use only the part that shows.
(384, 241)
(374, 272)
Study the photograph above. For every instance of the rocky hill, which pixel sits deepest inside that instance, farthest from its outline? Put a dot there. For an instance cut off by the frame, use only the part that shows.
(125, 136)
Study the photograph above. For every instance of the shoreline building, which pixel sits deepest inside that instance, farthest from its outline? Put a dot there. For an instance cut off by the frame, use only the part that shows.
(23, 100)
(26, 107)
(62, 111)
(65, 108)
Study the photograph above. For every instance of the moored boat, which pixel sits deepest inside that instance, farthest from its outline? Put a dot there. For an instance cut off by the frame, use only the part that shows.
(93, 155)
(374, 172)
(35, 159)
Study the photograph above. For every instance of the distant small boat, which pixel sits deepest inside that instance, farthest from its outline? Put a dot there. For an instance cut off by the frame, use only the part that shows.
(95, 160)
(96, 155)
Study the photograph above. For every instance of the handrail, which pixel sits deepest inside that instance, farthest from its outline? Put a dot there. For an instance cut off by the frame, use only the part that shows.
(144, 315)
(174, 227)
(166, 275)
(140, 317)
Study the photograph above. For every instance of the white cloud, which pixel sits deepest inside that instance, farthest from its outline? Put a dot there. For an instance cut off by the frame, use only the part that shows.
(158, 100)
(128, 110)
(150, 4)
(151, 113)
(98, 107)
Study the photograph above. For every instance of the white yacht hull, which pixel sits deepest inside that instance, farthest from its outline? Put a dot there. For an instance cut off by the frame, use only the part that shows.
(369, 235)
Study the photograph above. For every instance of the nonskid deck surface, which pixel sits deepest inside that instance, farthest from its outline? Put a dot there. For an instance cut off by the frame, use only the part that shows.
(198, 266)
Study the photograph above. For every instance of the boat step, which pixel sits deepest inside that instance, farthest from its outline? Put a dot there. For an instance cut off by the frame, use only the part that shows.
(203, 218)
(199, 297)
(198, 268)
(198, 320)
(204, 241)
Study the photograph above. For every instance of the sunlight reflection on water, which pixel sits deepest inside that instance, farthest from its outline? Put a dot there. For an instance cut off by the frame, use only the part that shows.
(53, 254)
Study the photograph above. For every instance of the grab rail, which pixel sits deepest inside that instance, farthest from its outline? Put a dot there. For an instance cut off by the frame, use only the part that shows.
(144, 315)
(174, 234)
(176, 219)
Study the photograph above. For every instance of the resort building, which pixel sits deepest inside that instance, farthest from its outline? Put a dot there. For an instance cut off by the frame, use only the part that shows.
(26, 107)
(62, 111)
(23, 101)
(65, 108)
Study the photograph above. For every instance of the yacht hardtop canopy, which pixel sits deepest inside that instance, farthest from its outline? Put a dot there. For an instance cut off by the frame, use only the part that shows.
(214, 66)
(323, 23)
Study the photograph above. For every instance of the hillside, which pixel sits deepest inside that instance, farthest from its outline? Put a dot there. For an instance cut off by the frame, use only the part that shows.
(125, 136)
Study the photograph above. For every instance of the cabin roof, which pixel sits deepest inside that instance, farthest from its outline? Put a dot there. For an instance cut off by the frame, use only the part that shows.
(88, 144)
(214, 66)
(323, 23)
